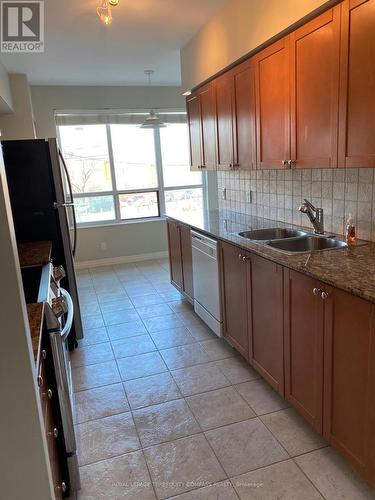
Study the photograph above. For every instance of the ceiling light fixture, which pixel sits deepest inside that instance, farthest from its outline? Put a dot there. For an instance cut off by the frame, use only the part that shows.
(105, 11)
(152, 120)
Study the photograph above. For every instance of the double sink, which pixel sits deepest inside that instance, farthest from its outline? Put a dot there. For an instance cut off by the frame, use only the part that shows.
(292, 241)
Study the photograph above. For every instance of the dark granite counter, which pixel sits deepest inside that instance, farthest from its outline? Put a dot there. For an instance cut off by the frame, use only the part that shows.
(351, 269)
(35, 315)
(36, 253)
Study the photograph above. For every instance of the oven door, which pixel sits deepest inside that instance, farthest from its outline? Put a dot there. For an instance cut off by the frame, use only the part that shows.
(61, 360)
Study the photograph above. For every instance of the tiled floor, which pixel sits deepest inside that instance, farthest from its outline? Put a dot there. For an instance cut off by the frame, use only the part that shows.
(165, 409)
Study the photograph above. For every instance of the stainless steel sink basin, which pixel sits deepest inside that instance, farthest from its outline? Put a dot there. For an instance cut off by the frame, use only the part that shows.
(274, 233)
(306, 244)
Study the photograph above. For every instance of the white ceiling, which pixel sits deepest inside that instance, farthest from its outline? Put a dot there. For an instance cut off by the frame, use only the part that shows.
(145, 34)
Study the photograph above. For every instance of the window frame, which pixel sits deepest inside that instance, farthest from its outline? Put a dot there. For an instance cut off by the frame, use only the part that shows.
(115, 193)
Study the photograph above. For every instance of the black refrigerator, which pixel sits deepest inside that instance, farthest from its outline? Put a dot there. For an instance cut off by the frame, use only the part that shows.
(42, 206)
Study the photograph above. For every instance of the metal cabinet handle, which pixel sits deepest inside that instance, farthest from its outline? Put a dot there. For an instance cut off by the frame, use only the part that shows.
(49, 393)
(284, 163)
(291, 163)
(203, 166)
(240, 256)
(40, 381)
(44, 354)
(324, 295)
(316, 291)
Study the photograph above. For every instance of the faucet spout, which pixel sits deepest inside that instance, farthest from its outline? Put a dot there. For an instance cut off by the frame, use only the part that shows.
(314, 214)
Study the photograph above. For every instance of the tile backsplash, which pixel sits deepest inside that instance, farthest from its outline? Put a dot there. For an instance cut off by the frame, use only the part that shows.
(277, 194)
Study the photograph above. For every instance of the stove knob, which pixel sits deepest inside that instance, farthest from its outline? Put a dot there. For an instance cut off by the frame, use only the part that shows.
(59, 306)
(59, 273)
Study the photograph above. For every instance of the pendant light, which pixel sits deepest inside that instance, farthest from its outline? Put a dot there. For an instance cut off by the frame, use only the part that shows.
(104, 11)
(153, 120)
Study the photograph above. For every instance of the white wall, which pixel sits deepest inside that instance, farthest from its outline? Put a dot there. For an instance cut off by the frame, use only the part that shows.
(20, 123)
(6, 104)
(236, 29)
(123, 239)
(23, 463)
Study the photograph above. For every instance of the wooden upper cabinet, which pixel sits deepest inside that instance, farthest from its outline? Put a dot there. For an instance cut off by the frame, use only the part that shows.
(175, 259)
(226, 154)
(244, 95)
(303, 339)
(314, 78)
(357, 85)
(272, 105)
(208, 115)
(187, 262)
(195, 131)
(349, 372)
(266, 349)
(234, 297)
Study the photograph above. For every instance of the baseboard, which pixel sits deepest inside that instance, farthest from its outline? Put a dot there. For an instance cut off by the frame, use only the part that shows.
(125, 259)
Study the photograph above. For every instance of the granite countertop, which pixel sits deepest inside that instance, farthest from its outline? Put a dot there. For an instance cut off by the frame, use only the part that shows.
(35, 314)
(351, 269)
(36, 253)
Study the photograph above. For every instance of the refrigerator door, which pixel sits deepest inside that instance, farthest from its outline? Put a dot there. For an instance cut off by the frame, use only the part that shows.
(62, 209)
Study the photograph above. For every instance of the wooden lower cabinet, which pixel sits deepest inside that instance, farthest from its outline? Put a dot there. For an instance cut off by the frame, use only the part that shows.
(266, 321)
(349, 379)
(234, 278)
(303, 346)
(180, 258)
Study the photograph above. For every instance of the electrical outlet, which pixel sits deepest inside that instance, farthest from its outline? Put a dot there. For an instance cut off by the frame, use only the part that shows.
(103, 246)
(224, 193)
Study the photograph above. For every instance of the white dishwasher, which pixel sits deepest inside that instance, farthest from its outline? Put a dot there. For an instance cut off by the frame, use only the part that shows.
(206, 281)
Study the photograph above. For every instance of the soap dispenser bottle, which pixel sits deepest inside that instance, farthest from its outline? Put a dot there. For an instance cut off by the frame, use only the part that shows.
(350, 230)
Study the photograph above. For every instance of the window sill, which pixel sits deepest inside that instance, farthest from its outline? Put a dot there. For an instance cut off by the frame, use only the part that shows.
(112, 223)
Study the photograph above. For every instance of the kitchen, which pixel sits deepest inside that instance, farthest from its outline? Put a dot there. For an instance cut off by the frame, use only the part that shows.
(227, 347)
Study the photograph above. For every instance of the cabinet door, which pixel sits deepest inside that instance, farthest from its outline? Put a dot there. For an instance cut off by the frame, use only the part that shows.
(272, 105)
(187, 265)
(314, 53)
(349, 387)
(195, 131)
(225, 133)
(175, 260)
(303, 337)
(244, 93)
(357, 84)
(208, 113)
(234, 297)
(266, 320)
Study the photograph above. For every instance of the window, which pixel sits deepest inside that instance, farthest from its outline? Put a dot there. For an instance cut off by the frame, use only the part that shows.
(121, 172)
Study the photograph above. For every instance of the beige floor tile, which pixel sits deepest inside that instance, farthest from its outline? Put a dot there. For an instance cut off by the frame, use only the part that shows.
(92, 354)
(218, 491)
(219, 407)
(100, 402)
(116, 305)
(94, 336)
(184, 356)
(261, 397)
(158, 323)
(237, 370)
(132, 346)
(180, 305)
(165, 422)
(172, 337)
(218, 349)
(333, 477)
(245, 446)
(293, 432)
(124, 477)
(147, 300)
(93, 321)
(200, 331)
(125, 330)
(141, 365)
(281, 481)
(119, 317)
(199, 378)
(182, 465)
(151, 390)
(149, 311)
(106, 438)
(88, 377)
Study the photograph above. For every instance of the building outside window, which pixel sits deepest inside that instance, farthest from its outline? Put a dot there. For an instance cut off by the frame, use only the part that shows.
(120, 172)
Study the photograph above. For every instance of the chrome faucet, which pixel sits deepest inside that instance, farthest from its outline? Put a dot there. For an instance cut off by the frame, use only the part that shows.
(316, 220)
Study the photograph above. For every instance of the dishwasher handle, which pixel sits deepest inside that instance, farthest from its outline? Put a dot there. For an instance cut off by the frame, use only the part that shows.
(204, 244)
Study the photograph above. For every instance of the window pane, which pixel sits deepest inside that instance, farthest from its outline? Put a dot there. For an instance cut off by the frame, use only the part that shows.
(134, 157)
(185, 201)
(85, 150)
(175, 155)
(139, 205)
(94, 208)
